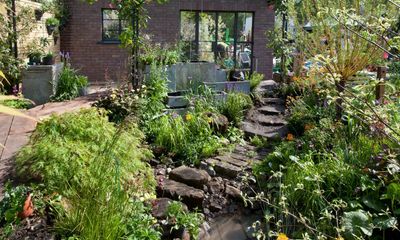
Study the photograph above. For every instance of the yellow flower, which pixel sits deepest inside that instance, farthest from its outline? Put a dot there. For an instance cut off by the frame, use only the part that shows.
(209, 120)
(290, 137)
(339, 238)
(188, 117)
(282, 236)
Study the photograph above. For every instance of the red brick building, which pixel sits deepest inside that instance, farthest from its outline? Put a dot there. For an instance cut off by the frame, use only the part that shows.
(231, 32)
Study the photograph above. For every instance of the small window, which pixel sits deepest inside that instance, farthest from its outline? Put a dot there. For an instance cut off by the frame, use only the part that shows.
(112, 25)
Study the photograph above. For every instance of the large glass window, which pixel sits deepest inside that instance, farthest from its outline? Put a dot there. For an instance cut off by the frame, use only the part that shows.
(222, 37)
(112, 25)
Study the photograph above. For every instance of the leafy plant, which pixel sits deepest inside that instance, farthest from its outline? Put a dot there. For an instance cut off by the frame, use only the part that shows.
(69, 84)
(120, 104)
(54, 22)
(235, 106)
(189, 221)
(96, 167)
(11, 205)
(255, 80)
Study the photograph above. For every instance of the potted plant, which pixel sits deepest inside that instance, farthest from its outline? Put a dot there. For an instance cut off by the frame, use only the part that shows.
(52, 24)
(35, 56)
(48, 59)
(38, 14)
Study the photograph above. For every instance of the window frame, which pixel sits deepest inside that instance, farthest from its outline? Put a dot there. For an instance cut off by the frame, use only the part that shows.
(120, 30)
(236, 37)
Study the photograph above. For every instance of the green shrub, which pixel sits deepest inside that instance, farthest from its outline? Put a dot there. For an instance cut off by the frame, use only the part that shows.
(188, 139)
(190, 221)
(69, 84)
(17, 103)
(96, 167)
(255, 80)
(120, 104)
(235, 106)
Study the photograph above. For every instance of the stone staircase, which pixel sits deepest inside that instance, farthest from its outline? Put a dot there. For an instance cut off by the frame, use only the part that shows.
(215, 189)
(266, 119)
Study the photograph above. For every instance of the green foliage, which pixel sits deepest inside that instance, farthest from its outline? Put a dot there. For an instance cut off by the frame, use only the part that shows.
(255, 80)
(12, 204)
(356, 224)
(235, 107)
(188, 139)
(140, 223)
(17, 103)
(52, 22)
(340, 178)
(183, 220)
(161, 55)
(155, 91)
(69, 84)
(96, 167)
(120, 104)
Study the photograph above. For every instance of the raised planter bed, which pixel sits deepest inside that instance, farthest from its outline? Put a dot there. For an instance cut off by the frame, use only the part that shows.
(39, 82)
(230, 86)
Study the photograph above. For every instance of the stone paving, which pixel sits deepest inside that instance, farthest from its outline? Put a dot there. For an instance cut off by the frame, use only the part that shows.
(15, 131)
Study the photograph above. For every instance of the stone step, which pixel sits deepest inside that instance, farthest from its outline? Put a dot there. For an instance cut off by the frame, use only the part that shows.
(272, 109)
(252, 129)
(191, 196)
(266, 87)
(269, 120)
(266, 101)
(191, 176)
(224, 168)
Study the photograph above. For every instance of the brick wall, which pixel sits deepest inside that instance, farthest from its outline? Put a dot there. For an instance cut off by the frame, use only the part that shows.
(82, 39)
(82, 36)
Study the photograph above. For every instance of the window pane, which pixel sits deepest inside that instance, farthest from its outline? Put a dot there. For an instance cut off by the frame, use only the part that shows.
(206, 56)
(110, 14)
(205, 46)
(207, 27)
(226, 29)
(243, 56)
(188, 26)
(111, 25)
(245, 27)
(111, 35)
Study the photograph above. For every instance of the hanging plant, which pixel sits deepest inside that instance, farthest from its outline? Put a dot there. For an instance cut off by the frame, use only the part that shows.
(51, 25)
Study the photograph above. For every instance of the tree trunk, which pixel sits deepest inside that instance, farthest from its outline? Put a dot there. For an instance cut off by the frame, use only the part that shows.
(340, 86)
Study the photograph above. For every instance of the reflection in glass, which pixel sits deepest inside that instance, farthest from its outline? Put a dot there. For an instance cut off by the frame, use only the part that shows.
(243, 56)
(188, 26)
(207, 27)
(245, 27)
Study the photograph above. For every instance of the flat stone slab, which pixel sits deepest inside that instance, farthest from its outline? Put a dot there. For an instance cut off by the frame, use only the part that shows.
(191, 196)
(271, 132)
(266, 101)
(190, 176)
(272, 109)
(224, 168)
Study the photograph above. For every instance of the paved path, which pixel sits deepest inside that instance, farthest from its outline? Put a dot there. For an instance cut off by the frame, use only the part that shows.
(15, 131)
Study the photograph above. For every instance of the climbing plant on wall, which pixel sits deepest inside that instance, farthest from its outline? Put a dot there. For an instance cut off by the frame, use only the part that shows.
(134, 12)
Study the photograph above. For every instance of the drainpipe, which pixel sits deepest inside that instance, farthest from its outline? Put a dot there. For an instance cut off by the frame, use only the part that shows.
(14, 27)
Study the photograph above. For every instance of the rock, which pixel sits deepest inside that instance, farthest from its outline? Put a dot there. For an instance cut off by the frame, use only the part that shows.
(160, 207)
(217, 203)
(191, 196)
(190, 176)
(209, 169)
(233, 192)
(218, 122)
(215, 186)
(204, 231)
(185, 235)
(224, 168)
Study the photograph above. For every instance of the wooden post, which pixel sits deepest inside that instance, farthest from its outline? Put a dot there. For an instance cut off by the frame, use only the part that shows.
(380, 87)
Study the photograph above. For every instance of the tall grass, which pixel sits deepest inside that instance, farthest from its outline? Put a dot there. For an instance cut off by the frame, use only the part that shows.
(96, 167)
